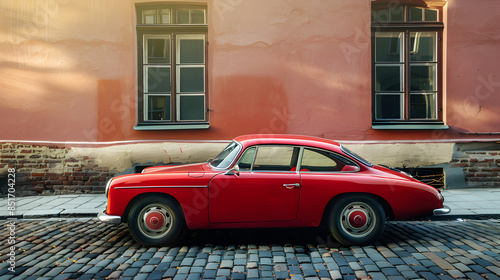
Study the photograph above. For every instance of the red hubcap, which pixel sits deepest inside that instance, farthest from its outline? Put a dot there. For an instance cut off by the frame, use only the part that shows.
(155, 220)
(357, 219)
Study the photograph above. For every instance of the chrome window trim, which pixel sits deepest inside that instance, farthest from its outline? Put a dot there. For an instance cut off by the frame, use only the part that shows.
(237, 157)
(299, 158)
(159, 187)
(355, 157)
(329, 172)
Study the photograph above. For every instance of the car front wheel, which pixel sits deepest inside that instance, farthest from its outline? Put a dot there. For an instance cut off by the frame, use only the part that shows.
(155, 221)
(356, 220)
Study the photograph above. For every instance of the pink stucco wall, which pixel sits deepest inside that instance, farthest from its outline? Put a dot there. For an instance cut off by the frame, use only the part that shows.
(473, 85)
(68, 70)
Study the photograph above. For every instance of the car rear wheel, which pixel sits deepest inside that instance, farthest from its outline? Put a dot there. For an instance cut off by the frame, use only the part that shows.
(356, 220)
(155, 221)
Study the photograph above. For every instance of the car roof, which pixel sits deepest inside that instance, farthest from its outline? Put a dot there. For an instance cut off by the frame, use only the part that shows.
(287, 139)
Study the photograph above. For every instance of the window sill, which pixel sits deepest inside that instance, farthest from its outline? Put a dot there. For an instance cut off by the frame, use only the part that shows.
(408, 126)
(184, 126)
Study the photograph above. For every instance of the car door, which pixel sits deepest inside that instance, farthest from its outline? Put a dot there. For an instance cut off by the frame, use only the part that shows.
(267, 188)
(325, 174)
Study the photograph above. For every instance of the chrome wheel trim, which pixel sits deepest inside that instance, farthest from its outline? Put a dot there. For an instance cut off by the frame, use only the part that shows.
(358, 219)
(155, 221)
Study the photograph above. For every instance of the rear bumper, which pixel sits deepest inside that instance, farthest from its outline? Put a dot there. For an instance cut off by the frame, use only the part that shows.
(441, 211)
(109, 219)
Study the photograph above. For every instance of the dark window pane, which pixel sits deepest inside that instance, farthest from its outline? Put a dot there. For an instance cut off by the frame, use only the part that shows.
(158, 50)
(388, 78)
(158, 79)
(388, 106)
(158, 108)
(416, 14)
(197, 16)
(396, 14)
(431, 15)
(388, 47)
(380, 16)
(423, 46)
(422, 77)
(246, 159)
(191, 51)
(192, 107)
(423, 106)
(192, 79)
(183, 16)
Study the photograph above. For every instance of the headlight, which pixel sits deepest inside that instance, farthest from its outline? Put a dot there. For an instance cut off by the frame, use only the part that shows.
(108, 185)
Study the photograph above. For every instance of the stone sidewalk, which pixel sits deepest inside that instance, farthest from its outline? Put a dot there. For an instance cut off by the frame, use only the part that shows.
(464, 203)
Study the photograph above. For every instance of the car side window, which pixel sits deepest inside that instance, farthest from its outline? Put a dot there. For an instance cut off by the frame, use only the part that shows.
(246, 159)
(275, 158)
(325, 161)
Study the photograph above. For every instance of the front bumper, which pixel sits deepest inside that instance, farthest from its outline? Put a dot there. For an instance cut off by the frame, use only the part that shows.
(109, 219)
(441, 211)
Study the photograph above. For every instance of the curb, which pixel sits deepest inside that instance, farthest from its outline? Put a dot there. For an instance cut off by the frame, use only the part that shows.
(465, 217)
(42, 216)
(94, 215)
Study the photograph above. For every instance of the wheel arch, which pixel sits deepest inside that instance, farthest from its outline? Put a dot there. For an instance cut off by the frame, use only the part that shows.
(153, 194)
(389, 212)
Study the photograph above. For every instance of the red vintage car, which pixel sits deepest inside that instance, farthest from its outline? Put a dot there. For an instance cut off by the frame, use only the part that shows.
(269, 181)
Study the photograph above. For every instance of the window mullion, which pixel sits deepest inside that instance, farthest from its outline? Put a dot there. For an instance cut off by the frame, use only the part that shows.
(406, 89)
(173, 85)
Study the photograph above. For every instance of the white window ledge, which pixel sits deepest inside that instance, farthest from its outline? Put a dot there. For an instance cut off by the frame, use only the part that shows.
(172, 126)
(409, 126)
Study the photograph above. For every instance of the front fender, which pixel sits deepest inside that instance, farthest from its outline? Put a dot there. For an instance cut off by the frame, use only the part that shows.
(190, 191)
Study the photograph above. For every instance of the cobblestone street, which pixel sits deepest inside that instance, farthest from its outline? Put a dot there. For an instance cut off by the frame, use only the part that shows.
(86, 249)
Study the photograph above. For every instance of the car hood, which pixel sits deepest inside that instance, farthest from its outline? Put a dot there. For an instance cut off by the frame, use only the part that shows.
(195, 167)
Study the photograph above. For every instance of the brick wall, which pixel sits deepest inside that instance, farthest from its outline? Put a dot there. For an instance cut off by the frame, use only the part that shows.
(481, 168)
(51, 170)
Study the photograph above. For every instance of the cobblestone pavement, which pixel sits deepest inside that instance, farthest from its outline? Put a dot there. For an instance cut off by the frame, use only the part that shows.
(86, 249)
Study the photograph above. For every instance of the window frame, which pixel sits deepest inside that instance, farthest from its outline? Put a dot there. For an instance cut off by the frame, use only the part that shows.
(256, 154)
(172, 30)
(407, 27)
(336, 156)
(296, 158)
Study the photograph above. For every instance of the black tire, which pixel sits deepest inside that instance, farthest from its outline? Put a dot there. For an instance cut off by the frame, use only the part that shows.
(356, 220)
(156, 221)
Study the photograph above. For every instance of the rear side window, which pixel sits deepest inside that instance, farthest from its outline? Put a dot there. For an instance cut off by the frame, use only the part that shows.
(314, 160)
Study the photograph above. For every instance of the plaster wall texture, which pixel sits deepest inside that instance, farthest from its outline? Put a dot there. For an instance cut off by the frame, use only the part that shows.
(68, 74)
(68, 71)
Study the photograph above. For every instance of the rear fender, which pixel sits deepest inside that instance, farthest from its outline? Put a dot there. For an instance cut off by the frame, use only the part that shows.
(389, 212)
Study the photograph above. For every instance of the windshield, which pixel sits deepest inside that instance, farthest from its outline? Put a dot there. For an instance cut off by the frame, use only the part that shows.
(355, 156)
(227, 156)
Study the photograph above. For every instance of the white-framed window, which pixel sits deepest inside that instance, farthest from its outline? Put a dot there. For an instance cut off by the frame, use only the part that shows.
(406, 50)
(172, 77)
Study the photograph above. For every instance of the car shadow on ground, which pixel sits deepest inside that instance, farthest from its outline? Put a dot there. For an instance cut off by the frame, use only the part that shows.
(266, 236)
(396, 232)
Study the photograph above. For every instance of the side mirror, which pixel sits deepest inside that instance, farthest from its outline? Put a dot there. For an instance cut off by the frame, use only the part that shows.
(233, 171)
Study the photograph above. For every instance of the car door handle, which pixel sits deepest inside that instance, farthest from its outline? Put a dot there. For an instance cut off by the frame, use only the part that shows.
(291, 186)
